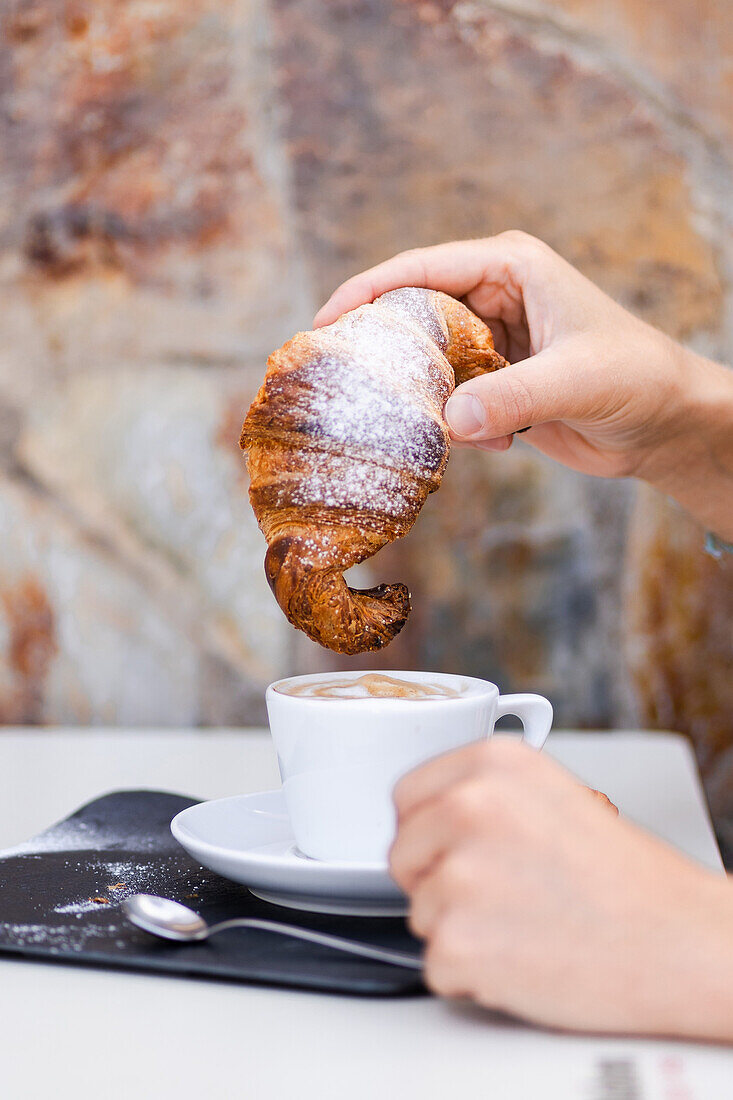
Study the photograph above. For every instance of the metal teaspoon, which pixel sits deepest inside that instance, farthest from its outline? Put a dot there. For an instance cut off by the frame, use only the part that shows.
(173, 921)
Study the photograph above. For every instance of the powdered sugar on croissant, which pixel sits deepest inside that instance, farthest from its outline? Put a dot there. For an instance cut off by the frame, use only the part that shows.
(344, 441)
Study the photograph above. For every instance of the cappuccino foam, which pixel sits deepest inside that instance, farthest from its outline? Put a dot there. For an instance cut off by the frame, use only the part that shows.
(372, 685)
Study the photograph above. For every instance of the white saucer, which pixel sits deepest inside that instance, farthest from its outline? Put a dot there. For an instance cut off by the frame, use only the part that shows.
(248, 839)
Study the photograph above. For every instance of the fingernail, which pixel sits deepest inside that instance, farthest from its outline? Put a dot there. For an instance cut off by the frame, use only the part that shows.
(465, 414)
(502, 443)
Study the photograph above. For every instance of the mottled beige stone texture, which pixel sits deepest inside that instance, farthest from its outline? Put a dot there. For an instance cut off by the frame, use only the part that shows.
(678, 49)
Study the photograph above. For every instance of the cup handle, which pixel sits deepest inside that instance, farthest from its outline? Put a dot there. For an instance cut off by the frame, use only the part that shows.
(533, 711)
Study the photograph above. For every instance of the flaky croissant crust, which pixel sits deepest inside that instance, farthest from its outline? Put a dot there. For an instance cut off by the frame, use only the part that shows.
(344, 441)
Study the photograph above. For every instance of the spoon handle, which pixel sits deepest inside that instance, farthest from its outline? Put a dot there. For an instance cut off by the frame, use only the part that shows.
(338, 943)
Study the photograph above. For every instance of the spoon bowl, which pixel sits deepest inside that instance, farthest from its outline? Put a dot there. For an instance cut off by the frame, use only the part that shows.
(164, 917)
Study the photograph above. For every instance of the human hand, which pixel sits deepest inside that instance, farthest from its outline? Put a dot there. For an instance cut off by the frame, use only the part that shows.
(536, 900)
(600, 390)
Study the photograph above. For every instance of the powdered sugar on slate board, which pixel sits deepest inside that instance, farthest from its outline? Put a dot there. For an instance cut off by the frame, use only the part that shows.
(89, 865)
(64, 837)
(57, 939)
(83, 906)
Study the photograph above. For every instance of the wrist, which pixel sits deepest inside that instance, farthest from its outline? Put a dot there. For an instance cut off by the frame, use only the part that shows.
(696, 987)
(693, 461)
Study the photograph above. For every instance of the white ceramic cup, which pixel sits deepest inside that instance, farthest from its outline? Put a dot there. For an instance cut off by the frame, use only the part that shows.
(341, 758)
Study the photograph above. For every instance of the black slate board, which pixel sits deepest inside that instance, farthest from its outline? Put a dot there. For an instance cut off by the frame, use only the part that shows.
(121, 844)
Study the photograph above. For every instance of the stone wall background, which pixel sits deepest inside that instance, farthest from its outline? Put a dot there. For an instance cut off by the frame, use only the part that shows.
(182, 184)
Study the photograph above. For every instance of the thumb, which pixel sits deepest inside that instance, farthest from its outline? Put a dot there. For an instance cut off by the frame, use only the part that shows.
(519, 396)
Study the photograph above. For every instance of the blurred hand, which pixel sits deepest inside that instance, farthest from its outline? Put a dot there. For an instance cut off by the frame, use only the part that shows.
(535, 899)
(601, 391)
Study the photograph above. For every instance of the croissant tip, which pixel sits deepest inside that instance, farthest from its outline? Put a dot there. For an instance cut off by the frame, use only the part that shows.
(381, 612)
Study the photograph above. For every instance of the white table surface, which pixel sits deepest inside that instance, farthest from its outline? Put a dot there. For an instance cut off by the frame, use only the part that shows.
(68, 1031)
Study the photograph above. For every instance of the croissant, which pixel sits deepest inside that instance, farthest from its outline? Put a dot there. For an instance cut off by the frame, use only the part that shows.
(344, 441)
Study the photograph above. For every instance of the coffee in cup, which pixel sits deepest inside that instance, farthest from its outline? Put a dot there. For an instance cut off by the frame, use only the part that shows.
(372, 685)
